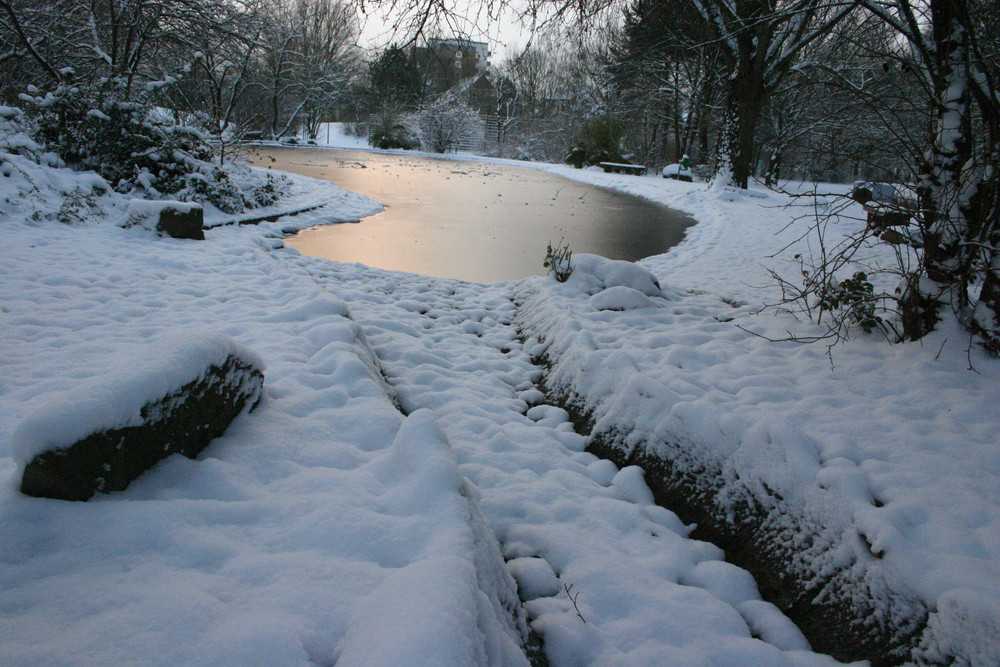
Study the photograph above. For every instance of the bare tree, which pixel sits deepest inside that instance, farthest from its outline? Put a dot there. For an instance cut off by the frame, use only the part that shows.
(220, 84)
(120, 48)
(310, 57)
(331, 60)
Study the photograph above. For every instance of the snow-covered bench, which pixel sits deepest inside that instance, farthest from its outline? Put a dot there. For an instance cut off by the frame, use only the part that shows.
(174, 397)
(620, 168)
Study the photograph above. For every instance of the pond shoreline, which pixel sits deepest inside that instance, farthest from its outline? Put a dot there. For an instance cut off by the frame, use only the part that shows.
(481, 221)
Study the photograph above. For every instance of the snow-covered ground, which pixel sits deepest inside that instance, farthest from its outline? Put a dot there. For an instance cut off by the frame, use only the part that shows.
(362, 514)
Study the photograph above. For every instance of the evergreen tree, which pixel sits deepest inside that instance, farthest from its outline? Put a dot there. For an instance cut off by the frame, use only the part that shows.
(396, 80)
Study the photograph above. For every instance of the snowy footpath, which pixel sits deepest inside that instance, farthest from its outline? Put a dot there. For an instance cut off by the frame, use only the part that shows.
(609, 578)
(408, 492)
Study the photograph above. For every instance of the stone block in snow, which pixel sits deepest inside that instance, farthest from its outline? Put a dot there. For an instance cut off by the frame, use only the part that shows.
(100, 436)
(181, 220)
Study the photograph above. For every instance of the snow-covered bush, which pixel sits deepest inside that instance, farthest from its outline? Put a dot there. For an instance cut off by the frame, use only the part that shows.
(447, 126)
(124, 142)
(143, 150)
(846, 281)
(393, 129)
(397, 136)
(34, 186)
(599, 141)
(558, 261)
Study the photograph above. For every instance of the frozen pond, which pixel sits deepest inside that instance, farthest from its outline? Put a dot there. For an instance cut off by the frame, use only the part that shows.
(472, 220)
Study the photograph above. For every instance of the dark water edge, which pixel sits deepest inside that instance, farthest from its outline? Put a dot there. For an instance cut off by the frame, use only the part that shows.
(474, 221)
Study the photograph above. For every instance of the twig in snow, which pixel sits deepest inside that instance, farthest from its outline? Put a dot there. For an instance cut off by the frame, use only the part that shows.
(572, 598)
(940, 350)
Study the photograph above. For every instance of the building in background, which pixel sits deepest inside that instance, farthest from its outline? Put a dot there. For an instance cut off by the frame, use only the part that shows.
(446, 61)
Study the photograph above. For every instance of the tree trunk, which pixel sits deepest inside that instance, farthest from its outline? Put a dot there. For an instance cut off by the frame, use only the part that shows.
(985, 219)
(772, 172)
(705, 101)
(942, 189)
(987, 317)
(739, 127)
(746, 93)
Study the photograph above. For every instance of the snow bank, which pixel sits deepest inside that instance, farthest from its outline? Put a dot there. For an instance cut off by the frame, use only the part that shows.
(432, 611)
(607, 577)
(867, 492)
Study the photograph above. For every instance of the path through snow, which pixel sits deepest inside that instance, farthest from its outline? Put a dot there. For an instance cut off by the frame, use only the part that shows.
(609, 578)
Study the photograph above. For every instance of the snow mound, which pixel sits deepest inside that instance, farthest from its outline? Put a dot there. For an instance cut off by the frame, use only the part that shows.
(592, 274)
(535, 577)
(420, 614)
(865, 484)
(620, 297)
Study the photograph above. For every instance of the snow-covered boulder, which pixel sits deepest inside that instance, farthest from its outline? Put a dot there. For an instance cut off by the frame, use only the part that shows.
(181, 220)
(172, 398)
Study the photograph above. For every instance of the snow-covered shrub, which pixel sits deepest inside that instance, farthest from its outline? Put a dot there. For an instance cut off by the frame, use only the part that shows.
(393, 129)
(124, 142)
(15, 133)
(397, 136)
(218, 189)
(35, 184)
(853, 298)
(599, 141)
(143, 150)
(558, 261)
(447, 126)
(845, 281)
(76, 206)
(270, 190)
